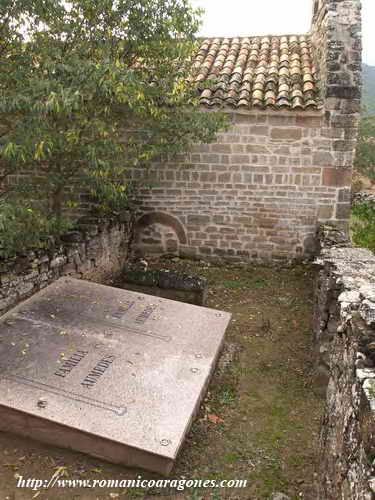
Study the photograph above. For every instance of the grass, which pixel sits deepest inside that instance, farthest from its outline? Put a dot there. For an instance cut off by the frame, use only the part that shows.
(251, 283)
(362, 226)
(265, 400)
(227, 397)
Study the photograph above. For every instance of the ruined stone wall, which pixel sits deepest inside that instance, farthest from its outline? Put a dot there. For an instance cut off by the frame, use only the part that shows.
(96, 251)
(344, 335)
(336, 35)
(367, 197)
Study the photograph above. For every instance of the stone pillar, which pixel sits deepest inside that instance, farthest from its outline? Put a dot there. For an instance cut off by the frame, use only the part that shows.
(336, 35)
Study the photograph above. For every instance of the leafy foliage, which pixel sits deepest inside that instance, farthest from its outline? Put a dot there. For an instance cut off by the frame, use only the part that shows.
(365, 153)
(368, 99)
(88, 91)
(29, 227)
(363, 225)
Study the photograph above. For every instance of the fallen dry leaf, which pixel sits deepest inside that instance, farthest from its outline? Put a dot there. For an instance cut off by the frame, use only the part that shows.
(97, 470)
(11, 466)
(214, 419)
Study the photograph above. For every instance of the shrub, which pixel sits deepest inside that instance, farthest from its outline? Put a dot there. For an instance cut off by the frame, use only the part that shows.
(363, 225)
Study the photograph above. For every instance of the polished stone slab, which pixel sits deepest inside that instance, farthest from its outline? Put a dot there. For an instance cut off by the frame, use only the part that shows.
(109, 372)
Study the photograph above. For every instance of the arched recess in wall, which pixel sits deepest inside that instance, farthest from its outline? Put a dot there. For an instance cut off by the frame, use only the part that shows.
(158, 232)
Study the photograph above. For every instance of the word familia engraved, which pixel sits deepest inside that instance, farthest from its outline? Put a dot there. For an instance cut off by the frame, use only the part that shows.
(93, 376)
(71, 363)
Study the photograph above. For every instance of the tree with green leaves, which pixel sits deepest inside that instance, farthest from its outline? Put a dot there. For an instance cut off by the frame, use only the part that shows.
(89, 90)
(365, 154)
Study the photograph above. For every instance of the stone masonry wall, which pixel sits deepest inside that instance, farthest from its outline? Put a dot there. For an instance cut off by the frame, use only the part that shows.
(261, 189)
(344, 334)
(256, 193)
(336, 34)
(96, 251)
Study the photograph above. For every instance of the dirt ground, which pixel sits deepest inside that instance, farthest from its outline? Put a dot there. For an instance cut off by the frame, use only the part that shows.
(259, 421)
(361, 182)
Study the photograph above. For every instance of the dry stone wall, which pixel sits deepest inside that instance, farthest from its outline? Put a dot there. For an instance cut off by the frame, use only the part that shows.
(367, 197)
(344, 333)
(97, 250)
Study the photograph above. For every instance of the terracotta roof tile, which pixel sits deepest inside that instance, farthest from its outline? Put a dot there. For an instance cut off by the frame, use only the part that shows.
(276, 72)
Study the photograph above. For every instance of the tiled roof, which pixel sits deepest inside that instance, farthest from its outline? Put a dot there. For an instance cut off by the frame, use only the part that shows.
(276, 72)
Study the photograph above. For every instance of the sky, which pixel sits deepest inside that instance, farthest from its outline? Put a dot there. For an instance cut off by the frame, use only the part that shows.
(274, 17)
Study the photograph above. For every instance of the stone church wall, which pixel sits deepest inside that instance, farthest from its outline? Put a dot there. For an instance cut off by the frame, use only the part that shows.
(260, 191)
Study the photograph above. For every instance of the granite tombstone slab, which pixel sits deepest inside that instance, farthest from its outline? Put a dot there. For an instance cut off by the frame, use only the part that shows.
(109, 372)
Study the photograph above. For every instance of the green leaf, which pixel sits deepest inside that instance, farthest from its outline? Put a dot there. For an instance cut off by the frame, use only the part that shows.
(89, 90)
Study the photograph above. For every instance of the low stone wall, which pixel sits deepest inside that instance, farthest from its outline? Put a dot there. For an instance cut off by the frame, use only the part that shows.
(345, 343)
(364, 197)
(165, 283)
(97, 250)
